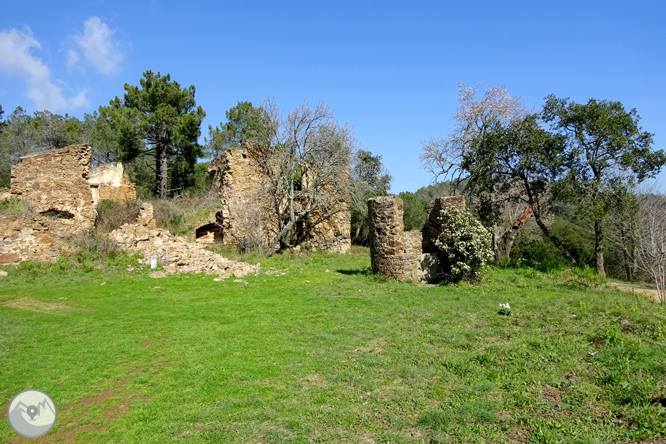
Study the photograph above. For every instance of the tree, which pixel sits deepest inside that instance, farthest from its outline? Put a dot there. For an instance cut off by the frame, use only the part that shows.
(2, 124)
(244, 122)
(603, 144)
(161, 121)
(651, 251)
(369, 178)
(473, 118)
(523, 162)
(18, 138)
(307, 164)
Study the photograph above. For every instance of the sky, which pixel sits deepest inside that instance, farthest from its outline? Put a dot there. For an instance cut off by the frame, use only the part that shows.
(389, 69)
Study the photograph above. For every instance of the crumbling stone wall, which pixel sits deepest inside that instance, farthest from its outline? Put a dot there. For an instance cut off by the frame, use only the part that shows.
(330, 228)
(58, 184)
(408, 256)
(247, 212)
(57, 180)
(176, 254)
(109, 181)
(433, 228)
(29, 237)
(389, 252)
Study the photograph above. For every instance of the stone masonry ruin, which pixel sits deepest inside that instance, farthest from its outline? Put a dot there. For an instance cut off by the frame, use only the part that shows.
(63, 192)
(408, 256)
(246, 213)
(110, 182)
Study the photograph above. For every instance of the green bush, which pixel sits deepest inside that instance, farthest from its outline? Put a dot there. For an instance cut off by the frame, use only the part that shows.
(112, 214)
(14, 205)
(464, 244)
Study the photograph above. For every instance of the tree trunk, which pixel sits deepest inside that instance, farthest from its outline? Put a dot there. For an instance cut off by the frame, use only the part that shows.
(626, 254)
(161, 172)
(506, 241)
(599, 248)
(553, 239)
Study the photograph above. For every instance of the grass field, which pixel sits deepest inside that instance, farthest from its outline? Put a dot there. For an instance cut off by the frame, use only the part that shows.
(321, 351)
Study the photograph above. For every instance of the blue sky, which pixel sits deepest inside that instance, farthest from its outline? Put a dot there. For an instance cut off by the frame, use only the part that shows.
(387, 68)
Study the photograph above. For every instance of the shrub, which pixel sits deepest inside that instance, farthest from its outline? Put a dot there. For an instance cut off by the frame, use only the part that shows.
(14, 205)
(112, 214)
(464, 244)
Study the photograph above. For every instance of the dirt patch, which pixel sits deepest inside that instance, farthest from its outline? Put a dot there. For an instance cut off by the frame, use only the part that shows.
(636, 289)
(103, 396)
(517, 435)
(115, 404)
(550, 394)
(31, 304)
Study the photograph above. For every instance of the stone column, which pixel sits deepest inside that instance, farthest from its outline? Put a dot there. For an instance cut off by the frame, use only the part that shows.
(387, 239)
(433, 227)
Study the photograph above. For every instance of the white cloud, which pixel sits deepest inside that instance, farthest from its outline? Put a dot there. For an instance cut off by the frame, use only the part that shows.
(96, 45)
(80, 100)
(16, 58)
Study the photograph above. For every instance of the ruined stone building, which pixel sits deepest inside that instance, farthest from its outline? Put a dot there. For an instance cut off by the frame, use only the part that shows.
(408, 256)
(62, 191)
(247, 210)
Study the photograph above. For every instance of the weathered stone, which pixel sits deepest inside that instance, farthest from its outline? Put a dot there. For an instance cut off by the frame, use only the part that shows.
(433, 228)
(57, 180)
(146, 218)
(409, 256)
(157, 274)
(9, 258)
(247, 215)
(28, 237)
(176, 254)
(110, 182)
(3, 273)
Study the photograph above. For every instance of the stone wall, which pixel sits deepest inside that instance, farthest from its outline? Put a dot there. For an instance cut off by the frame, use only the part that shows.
(247, 212)
(29, 237)
(63, 193)
(330, 228)
(408, 256)
(109, 181)
(57, 181)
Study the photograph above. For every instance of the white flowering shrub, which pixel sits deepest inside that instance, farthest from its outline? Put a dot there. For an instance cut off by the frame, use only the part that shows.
(464, 244)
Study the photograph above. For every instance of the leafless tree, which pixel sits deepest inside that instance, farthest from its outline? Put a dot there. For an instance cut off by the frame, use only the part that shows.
(442, 157)
(307, 164)
(473, 117)
(651, 251)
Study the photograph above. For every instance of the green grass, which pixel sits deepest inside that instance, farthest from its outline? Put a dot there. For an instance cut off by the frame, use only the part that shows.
(342, 356)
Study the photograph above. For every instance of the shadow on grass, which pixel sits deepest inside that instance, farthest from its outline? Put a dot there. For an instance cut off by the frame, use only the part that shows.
(362, 271)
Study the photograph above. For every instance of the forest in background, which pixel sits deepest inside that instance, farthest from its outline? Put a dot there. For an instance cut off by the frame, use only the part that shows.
(555, 187)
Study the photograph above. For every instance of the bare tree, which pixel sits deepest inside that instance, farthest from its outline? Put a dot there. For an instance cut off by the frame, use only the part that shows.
(307, 164)
(651, 251)
(473, 118)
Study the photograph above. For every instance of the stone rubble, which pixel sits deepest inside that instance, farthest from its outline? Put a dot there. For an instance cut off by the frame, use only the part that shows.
(176, 254)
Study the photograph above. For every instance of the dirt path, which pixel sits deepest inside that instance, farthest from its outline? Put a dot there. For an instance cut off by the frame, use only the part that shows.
(636, 289)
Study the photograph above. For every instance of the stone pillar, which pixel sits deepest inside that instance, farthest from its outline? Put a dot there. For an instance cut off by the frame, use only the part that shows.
(433, 227)
(388, 253)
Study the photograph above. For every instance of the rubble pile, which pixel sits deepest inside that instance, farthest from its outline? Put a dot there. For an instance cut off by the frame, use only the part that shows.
(176, 254)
